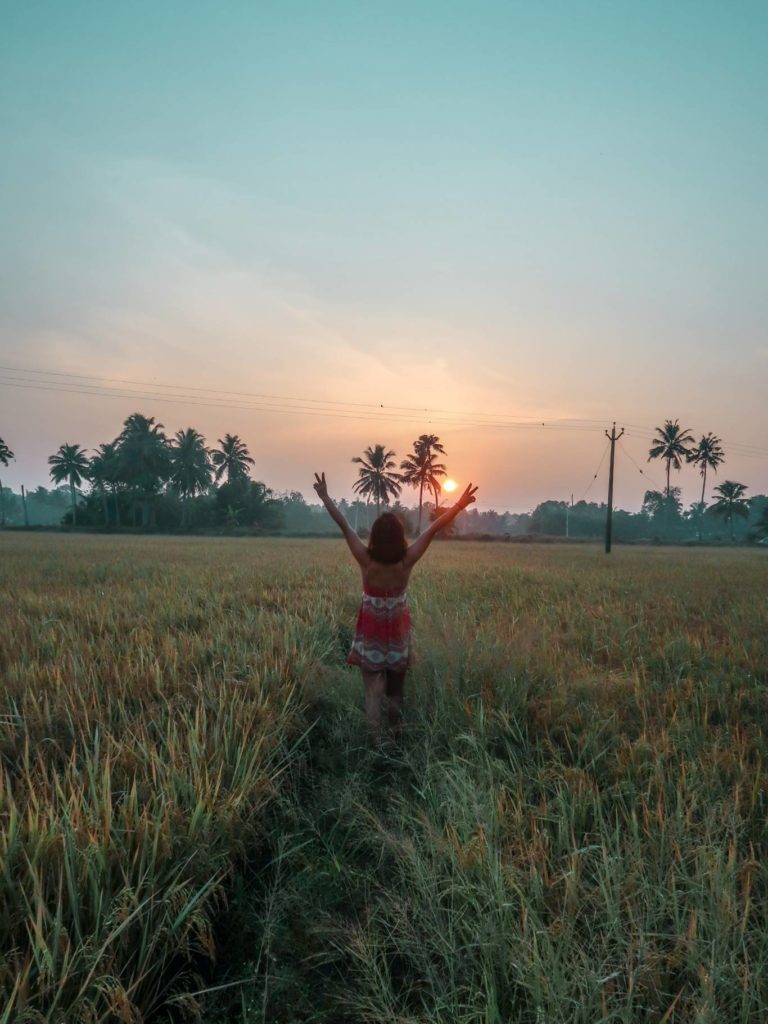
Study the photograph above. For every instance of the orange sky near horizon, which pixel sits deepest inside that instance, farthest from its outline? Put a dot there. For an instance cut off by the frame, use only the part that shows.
(514, 466)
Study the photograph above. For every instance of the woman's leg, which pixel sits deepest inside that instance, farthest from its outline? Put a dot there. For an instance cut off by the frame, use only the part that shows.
(394, 692)
(375, 689)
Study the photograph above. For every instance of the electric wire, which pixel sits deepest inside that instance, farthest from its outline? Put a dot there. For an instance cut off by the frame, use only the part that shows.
(219, 394)
(731, 447)
(464, 417)
(641, 471)
(456, 419)
(596, 473)
(180, 394)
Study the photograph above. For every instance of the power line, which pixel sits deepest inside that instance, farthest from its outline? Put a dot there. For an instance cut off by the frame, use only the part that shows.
(181, 394)
(182, 399)
(218, 394)
(597, 471)
(638, 468)
(743, 451)
(651, 434)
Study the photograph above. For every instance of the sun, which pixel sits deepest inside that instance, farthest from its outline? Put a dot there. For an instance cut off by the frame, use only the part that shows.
(449, 485)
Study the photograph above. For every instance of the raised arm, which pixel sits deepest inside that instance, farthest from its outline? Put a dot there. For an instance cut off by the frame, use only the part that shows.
(422, 542)
(356, 546)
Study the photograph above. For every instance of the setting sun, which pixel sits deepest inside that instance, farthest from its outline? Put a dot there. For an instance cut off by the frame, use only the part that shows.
(449, 485)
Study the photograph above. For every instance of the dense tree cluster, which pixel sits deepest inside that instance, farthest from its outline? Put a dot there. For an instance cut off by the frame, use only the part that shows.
(143, 478)
(676, 445)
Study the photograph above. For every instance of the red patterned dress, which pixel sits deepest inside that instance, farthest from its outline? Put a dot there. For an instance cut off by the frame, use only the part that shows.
(383, 631)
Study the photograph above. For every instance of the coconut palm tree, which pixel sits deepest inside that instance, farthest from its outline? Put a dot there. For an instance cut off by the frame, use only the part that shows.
(144, 460)
(103, 471)
(5, 457)
(431, 444)
(376, 479)
(673, 444)
(420, 469)
(731, 503)
(232, 458)
(762, 524)
(70, 464)
(191, 469)
(707, 454)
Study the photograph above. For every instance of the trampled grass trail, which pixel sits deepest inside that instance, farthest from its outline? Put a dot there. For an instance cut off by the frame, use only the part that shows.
(573, 828)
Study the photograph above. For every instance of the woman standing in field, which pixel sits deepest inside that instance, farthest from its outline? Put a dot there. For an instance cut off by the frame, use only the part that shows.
(382, 644)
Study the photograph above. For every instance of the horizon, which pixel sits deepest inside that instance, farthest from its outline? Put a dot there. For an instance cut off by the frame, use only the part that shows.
(540, 214)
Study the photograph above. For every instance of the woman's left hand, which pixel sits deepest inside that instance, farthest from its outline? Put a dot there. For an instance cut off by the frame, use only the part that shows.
(320, 486)
(468, 497)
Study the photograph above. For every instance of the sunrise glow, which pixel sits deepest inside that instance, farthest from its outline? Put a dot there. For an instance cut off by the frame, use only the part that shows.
(449, 485)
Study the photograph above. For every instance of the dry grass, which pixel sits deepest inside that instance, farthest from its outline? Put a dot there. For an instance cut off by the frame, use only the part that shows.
(576, 831)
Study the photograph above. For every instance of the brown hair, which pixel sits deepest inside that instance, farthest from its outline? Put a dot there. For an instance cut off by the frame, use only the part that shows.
(387, 543)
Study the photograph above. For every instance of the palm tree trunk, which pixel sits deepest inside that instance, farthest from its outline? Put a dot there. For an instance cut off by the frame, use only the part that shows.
(731, 517)
(421, 500)
(667, 504)
(74, 504)
(701, 503)
(117, 506)
(105, 505)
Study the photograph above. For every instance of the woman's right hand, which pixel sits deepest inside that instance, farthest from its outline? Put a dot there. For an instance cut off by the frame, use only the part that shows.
(321, 487)
(467, 498)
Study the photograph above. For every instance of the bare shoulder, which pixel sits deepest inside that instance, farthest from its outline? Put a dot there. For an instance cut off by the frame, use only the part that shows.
(363, 557)
(359, 550)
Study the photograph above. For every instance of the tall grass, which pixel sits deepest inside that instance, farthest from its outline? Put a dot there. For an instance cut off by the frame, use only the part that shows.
(572, 829)
(150, 704)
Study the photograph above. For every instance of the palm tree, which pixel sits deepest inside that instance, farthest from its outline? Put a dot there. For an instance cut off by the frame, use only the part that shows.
(420, 470)
(762, 524)
(70, 463)
(5, 457)
(376, 479)
(431, 444)
(191, 469)
(673, 444)
(707, 454)
(103, 470)
(144, 460)
(232, 458)
(731, 503)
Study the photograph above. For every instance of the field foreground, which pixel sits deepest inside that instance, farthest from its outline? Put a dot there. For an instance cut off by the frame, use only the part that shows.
(574, 827)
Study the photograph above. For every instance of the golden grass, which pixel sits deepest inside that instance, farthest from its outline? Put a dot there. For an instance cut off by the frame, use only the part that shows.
(152, 697)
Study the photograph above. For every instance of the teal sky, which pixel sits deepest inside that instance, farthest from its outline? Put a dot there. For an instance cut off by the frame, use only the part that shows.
(554, 210)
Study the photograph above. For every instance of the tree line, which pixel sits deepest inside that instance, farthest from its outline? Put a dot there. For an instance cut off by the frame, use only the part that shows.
(144, 478)
(676, 445)
(129, 476)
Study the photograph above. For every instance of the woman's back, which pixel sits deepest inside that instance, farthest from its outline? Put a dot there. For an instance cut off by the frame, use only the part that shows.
(381, 576)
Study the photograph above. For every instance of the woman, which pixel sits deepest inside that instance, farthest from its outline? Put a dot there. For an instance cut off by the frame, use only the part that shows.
(381, 647)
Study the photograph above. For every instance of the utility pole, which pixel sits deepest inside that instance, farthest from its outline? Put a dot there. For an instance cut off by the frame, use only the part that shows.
(567, 517)
(24, 504)
(613, 437)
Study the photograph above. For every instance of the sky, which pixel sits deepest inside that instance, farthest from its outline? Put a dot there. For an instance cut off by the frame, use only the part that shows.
(463, 218)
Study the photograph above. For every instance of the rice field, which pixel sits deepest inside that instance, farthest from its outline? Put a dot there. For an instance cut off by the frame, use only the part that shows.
(193, 825)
